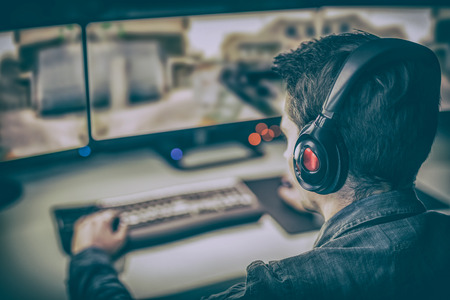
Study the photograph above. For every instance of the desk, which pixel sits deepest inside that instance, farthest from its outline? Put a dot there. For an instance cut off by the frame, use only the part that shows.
(33, 266)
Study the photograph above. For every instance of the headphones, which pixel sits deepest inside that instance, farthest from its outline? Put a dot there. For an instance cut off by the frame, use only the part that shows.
(320, 157)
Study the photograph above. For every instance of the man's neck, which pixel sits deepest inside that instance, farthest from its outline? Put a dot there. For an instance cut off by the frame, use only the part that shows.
(329, 205)
(328, 208)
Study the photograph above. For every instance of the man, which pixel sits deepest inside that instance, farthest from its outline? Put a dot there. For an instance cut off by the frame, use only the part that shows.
(378, 240)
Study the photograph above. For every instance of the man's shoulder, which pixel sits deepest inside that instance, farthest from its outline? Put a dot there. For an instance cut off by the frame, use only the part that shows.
(387, 245)
(418, 230)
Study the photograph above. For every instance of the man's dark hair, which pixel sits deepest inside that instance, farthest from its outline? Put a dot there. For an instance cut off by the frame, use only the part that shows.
(389, 121)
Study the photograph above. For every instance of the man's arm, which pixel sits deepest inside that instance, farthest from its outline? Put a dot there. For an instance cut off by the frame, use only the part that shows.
(91, 274)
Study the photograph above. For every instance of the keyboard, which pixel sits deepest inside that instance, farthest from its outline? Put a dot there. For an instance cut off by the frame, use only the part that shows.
(172, 213)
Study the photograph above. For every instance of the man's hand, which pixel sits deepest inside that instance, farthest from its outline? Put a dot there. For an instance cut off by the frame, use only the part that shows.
(96, 231)
(290, 195)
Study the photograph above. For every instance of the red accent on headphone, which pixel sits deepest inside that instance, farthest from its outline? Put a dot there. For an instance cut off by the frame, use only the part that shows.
(310, 160)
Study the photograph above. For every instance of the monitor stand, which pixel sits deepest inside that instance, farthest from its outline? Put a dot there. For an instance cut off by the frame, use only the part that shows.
(208, 155)
(11, 190)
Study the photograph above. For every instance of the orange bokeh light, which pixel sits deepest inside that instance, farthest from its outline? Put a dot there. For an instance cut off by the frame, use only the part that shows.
(276, 130)
(260, 127)
(267, 135)
(254, 139)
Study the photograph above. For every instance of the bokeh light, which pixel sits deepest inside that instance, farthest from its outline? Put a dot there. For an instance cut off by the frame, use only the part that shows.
(276, 130)
(267, 135)
(260, 127)
(176, 154)
(85, 151)
(254, 139)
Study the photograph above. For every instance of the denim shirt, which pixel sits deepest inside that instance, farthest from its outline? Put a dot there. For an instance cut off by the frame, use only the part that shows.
(386, 246)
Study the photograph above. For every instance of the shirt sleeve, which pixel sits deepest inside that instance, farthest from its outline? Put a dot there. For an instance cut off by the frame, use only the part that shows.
(92, 276)
(264, 281)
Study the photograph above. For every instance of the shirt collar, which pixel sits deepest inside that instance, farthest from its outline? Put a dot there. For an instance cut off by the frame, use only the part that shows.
(390, 204)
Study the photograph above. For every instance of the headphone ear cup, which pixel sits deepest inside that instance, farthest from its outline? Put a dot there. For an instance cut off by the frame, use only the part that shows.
(301, 144)
(320, 160)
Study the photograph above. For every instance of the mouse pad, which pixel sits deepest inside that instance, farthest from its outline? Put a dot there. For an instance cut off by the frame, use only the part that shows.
(296, 222)
(291, 220)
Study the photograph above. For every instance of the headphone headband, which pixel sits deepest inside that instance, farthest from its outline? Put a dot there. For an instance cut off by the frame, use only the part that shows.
(370, 56)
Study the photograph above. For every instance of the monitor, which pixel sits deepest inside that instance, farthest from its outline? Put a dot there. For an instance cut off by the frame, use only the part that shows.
(42, 92)
(42, 100)
(186, 80)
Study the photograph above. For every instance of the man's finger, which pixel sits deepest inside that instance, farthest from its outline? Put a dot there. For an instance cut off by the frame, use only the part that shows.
(108, 215)
(121, 232)
(286, 193)
(79, 221)
(289, 195)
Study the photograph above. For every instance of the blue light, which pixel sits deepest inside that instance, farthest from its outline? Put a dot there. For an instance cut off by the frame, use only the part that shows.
(85, 151)
(176, 154)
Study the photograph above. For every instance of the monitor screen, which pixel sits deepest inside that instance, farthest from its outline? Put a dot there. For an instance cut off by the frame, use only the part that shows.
(164, 74)
(42, 92)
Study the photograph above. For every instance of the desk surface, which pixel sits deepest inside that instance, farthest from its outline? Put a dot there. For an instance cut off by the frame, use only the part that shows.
(34, 267)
